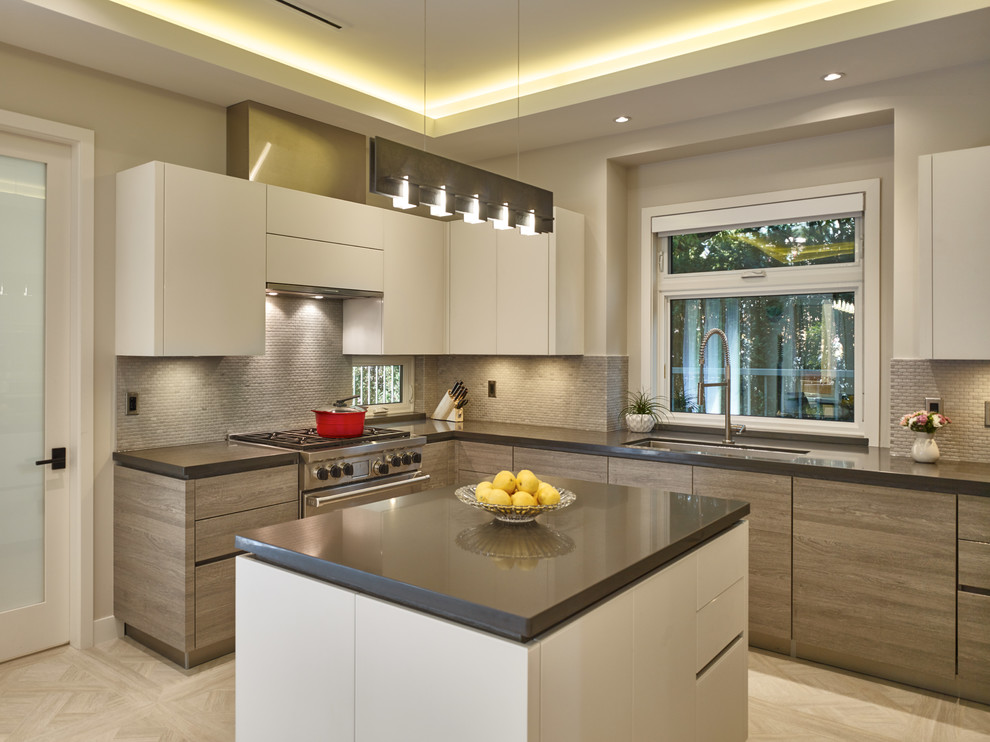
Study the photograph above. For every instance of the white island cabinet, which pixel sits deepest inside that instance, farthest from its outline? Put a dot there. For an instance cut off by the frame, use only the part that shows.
(190, 263)
(378, 648)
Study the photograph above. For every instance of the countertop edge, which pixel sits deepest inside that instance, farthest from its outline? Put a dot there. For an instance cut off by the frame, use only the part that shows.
(210, 469)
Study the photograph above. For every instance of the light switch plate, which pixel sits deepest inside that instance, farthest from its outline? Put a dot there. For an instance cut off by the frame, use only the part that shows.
(934, 404)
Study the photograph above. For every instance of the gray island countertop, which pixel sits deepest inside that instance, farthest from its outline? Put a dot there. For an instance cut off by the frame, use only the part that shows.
(431, 552)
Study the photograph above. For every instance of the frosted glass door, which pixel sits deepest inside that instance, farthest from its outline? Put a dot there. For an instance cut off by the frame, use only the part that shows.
(35, 372)
(22, 382)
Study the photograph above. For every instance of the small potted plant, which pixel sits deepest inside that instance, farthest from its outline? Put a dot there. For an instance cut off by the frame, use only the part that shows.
(924, 424)
(642, 412)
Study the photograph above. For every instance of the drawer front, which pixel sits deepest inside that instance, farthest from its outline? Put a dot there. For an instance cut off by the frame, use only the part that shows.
(974, 518)
(233, 493)
(974, 564)
(723, 698)
(214, 602)
(974, 637)
(659, 474)
(487, 458)
(719, 622)
(215, 536)
(722, 563)
(549, 464)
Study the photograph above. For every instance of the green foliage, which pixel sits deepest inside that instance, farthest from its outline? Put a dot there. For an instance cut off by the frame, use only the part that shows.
(641, 403)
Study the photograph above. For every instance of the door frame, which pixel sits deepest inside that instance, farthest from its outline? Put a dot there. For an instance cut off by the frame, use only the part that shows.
(81, 288)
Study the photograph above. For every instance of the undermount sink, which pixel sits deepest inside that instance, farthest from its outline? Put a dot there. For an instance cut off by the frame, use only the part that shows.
(736, 450)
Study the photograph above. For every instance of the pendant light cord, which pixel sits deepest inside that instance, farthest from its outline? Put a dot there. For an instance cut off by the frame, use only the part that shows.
(424, 75)
(518, 75)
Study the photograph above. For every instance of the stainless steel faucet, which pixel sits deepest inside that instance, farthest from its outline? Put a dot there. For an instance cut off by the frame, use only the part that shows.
(725, 383)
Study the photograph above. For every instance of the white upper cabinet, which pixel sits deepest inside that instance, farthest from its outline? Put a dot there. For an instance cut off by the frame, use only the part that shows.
(472, 291)
(313, 217)
(954, 192)
(190, 263)
(516, 295)
(522, 297)
(410, 318)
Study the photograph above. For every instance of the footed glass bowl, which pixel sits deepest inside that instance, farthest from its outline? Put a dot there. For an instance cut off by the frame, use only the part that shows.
(513, 513)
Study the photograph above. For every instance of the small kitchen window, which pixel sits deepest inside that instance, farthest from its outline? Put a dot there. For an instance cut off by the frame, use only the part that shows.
(383, 384)
(793, 282)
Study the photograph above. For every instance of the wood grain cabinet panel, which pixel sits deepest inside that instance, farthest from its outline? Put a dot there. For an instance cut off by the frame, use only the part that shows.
(974, 637)
(875, 574)
(215, 602)
(215, 536)
(659, 474)
(769, 498)
(974, 518)
(234, 493)
(438, 462)
(974, 564)
(181, 610)
(546, 464)
(478, 461)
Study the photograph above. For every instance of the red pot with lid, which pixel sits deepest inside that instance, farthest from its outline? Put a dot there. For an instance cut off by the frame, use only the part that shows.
(340, 420)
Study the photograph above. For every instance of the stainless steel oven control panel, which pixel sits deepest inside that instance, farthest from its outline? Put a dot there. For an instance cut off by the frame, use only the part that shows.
(339, 467)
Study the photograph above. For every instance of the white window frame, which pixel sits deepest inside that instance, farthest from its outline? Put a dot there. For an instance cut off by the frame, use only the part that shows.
(408, 364)
(862, 277)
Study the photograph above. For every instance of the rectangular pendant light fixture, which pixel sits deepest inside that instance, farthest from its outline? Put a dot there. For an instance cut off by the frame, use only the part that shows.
(411, 176)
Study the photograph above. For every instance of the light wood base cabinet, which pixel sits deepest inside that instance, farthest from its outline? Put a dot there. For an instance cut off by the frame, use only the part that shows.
(174, 549)
(875, 574)
(769, 498)
(659, 474)
(973, 597)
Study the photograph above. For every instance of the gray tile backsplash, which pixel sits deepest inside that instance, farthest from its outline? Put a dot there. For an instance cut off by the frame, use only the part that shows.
(963, 387)
(193, 400)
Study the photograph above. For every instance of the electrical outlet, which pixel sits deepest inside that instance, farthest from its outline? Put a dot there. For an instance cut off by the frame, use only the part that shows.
(132, 403)
(986, 414)
(491, 388)
(934, 404)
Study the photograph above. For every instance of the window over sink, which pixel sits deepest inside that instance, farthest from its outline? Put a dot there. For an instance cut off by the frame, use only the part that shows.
(384, 384)
(792, 279)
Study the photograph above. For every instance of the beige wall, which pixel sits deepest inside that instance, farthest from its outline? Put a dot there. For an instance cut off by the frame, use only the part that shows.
(133, 124)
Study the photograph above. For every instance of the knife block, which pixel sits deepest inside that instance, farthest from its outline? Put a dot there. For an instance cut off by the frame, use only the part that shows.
(446, 410)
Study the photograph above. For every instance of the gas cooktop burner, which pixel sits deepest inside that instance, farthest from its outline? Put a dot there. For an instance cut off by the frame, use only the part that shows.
(307, 439)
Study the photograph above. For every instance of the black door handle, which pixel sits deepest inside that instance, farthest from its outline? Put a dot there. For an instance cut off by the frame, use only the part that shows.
(57, 460)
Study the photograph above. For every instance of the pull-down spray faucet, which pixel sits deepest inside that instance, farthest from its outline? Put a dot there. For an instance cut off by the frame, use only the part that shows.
(725, 383)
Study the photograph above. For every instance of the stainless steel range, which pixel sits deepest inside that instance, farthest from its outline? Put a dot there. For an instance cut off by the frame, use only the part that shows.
(339, 472)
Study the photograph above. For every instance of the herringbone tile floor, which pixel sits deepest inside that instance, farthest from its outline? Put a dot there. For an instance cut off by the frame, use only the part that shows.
(120, 691)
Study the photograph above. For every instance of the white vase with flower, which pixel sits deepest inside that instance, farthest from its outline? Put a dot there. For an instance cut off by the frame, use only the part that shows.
(924, 450)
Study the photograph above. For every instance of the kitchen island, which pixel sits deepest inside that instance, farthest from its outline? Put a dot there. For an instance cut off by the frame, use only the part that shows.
(622, 617)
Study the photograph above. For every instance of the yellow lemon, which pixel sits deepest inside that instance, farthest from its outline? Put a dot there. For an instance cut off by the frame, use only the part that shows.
(505, 480)
(523, 500)
(498, 497)
(482, 486)
(482, 495)
(548, 495)
(526, 481)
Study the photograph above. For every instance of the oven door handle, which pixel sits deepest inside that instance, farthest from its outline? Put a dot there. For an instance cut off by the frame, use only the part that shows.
(316, 502)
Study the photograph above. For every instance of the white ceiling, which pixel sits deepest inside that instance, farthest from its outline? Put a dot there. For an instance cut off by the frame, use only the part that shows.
(503, 74)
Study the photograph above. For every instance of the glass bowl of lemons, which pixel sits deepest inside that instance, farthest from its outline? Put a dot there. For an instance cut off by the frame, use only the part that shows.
(515, 498)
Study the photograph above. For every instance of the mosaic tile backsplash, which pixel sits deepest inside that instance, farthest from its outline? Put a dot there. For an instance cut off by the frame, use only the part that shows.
(963, 387)
(194, 400)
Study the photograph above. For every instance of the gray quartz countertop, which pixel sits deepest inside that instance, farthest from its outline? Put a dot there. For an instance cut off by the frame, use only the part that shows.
(828, 461)
(199, 460)
(431, 552)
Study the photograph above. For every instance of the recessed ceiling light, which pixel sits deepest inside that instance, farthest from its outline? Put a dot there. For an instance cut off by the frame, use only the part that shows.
(621, 119)
(832, 76)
